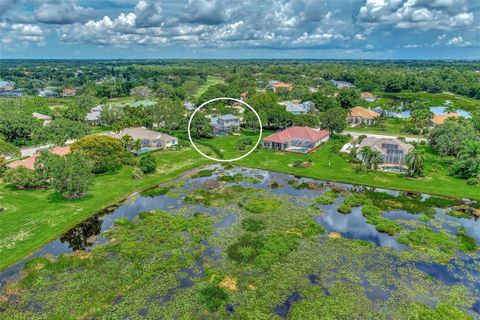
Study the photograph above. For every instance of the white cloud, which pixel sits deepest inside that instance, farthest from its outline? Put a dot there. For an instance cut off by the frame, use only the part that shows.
(62, 12)
(458, 42)
(417, 14)
(20, 34)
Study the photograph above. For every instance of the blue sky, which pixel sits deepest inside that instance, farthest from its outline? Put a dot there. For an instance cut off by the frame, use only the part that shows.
(268, 29)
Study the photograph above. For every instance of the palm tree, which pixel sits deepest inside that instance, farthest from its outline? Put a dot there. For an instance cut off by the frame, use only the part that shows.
(366, 154)
(415, 161)
(470, 149)
(375, 159)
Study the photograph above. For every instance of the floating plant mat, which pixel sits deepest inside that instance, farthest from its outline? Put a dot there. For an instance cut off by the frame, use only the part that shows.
(247, 244)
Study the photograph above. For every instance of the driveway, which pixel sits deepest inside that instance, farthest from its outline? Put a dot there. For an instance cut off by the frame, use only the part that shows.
(27, 152)
(375, 135)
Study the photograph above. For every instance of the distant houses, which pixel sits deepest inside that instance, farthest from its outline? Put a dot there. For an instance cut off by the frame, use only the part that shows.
(190, 106)
(440, 119)
(296, 139)
(393, 152)
(93, 117)
(368, 96)
(6, 86)
(226, 123)
(69, 92)
(42, 117)
(300, 108)
(359, 116)
(149, 138)
(343, 84)
(276, 85)
(29, 162)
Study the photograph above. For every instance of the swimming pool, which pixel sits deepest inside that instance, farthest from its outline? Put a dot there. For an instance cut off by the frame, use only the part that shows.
(144, 150)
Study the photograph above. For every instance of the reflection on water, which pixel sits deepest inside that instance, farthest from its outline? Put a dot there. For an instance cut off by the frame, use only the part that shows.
(83, 235)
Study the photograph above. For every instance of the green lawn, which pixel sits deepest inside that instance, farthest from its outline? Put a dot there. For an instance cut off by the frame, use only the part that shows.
(393, 127)
(33, 218)
(431, 99)
(211, 81)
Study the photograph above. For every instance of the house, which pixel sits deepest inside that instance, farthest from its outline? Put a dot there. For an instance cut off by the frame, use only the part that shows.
(93, 117)
(29, 162)
(69, 92)
(142, 103)
(343, 84)
(296, 139)
(359, 115)
(149, 138)
(300, 108)
(275, 85)
(190, 106)
(42, 117)
(6, 86)
(393, 152)
(368, 96)
(225, 123)
(439, 119)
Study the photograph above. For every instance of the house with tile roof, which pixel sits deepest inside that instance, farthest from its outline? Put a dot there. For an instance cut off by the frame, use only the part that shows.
(296, 139)
(359, 115)
(368, 96)
(29, 162)
(439, 119)
(300, 108)
(275, 85)
(393, 151)
(149, 138)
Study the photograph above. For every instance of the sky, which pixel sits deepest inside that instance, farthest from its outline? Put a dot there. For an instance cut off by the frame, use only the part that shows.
(240, 29)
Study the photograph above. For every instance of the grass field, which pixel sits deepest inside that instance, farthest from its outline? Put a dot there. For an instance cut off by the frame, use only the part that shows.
(211, 81)
(431, 99)
(33, 218)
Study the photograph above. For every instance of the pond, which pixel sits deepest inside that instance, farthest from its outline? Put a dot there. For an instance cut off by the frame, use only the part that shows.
(355, 259)
(436, 111)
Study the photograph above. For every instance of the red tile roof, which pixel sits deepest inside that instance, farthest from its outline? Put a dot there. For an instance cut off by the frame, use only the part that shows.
(29, 162)
(297, 133)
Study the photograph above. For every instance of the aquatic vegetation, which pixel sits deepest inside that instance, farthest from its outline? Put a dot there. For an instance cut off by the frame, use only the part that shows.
(158, 191)
(213, 297)
(438, 244)
(372, 213)
(262, 205)
(238, 178)
(465, 242)
(328, 197)
(356, 200)
(344, 208)
(204, 173)
(457, 214)
(251, 224)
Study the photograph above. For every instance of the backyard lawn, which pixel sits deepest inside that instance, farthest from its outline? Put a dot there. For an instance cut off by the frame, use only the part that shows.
(393, 127)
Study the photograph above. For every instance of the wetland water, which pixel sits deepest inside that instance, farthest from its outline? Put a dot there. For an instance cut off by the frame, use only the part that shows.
(402, 265)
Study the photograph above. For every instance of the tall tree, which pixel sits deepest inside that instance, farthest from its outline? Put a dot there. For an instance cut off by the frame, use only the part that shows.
(333, 120)
(415, 161)
(72, 176)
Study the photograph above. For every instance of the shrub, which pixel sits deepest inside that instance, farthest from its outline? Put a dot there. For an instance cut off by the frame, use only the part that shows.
(344, 208)
(473, 182)
(22, 178)
(213, 297)
(137, 173)
(148, 164)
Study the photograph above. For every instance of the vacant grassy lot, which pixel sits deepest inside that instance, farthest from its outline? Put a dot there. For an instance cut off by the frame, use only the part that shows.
(211, 81)
(33, 218)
